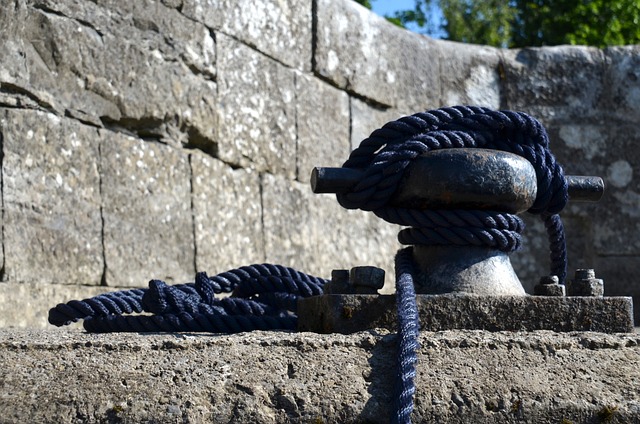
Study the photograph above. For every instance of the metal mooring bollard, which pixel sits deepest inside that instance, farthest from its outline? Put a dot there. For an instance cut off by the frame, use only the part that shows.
(463, 179)
(468, 286)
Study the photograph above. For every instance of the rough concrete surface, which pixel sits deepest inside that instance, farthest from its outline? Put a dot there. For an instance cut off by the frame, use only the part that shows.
(462, 377)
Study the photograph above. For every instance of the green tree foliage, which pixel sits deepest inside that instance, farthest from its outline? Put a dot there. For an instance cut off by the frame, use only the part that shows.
(479, 22)
(520, 23)
(365, 3)
(595, 22)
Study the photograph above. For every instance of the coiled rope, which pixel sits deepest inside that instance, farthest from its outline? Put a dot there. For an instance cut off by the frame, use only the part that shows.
(265, 296)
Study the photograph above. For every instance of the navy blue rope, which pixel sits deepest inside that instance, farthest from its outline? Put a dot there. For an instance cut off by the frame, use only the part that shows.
(264, 298)
(386, 153)
(116, 303)
(408, 327)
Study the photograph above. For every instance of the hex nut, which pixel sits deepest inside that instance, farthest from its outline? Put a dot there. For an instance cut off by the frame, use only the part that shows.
(366, 279)
(549, 285)
(584, 283)
(339, 283)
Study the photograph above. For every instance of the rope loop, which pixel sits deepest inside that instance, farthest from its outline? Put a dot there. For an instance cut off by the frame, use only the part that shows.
(264, 297)
(388, 151)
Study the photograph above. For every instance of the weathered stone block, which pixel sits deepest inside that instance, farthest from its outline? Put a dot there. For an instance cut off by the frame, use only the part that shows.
(289, 234)
(366, 118)
(228, 215)
(621, 99)
(323, 125)
(257, 110)
(136, 66)
(532, 261)
(51, 199)
(280, 29)
(563, 82)
(621, 278)
(609, 152)
(148, 226)
(470, 75)
(351, 313)
(26, 305)
(363, 53)
(313, 233)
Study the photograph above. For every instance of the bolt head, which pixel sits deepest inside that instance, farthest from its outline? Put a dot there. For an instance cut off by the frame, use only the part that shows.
(584, 274)
(593, 287)
(549, 279)
(339, 283)
(366, 279)
(549, 290)
(549, 285)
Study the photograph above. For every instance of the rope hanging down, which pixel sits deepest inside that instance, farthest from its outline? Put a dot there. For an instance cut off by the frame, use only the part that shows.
(387, 152)
(265, 296)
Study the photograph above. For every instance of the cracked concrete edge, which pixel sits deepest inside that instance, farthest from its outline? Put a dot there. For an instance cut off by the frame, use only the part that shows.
(462, 376)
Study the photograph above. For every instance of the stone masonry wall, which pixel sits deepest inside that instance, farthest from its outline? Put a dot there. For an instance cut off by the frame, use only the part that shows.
(150, 139)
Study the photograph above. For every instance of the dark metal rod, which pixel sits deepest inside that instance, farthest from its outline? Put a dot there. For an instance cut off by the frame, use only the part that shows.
(585, 188)
(341, 180)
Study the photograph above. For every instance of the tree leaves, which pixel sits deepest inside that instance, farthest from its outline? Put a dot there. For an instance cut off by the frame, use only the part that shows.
(521, 23)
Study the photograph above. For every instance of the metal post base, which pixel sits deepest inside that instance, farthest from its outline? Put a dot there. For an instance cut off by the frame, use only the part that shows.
(468, 269)
(339, 313)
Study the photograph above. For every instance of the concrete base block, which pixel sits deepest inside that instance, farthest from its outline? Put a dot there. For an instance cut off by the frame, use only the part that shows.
(277, 377)
(351, 313)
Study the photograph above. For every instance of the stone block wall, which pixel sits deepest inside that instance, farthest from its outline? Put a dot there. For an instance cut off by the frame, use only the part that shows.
(157, 138)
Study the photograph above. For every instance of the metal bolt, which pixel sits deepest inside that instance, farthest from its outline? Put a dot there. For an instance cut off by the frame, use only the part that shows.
(549, 285)
(360, 280)
(339, 283)
(340, 276)
(584, 283)
(366, 279)
(584, 274)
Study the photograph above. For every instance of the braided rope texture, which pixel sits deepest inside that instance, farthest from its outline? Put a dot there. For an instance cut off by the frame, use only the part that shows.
(264, 297)
(408, 327)
(387, 152)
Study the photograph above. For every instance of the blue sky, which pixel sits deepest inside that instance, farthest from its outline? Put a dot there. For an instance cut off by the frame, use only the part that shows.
(381, 7)
(387, 7)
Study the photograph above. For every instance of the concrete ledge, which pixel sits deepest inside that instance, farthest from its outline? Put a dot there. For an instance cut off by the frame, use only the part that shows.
(340, 313)
(462, 377)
